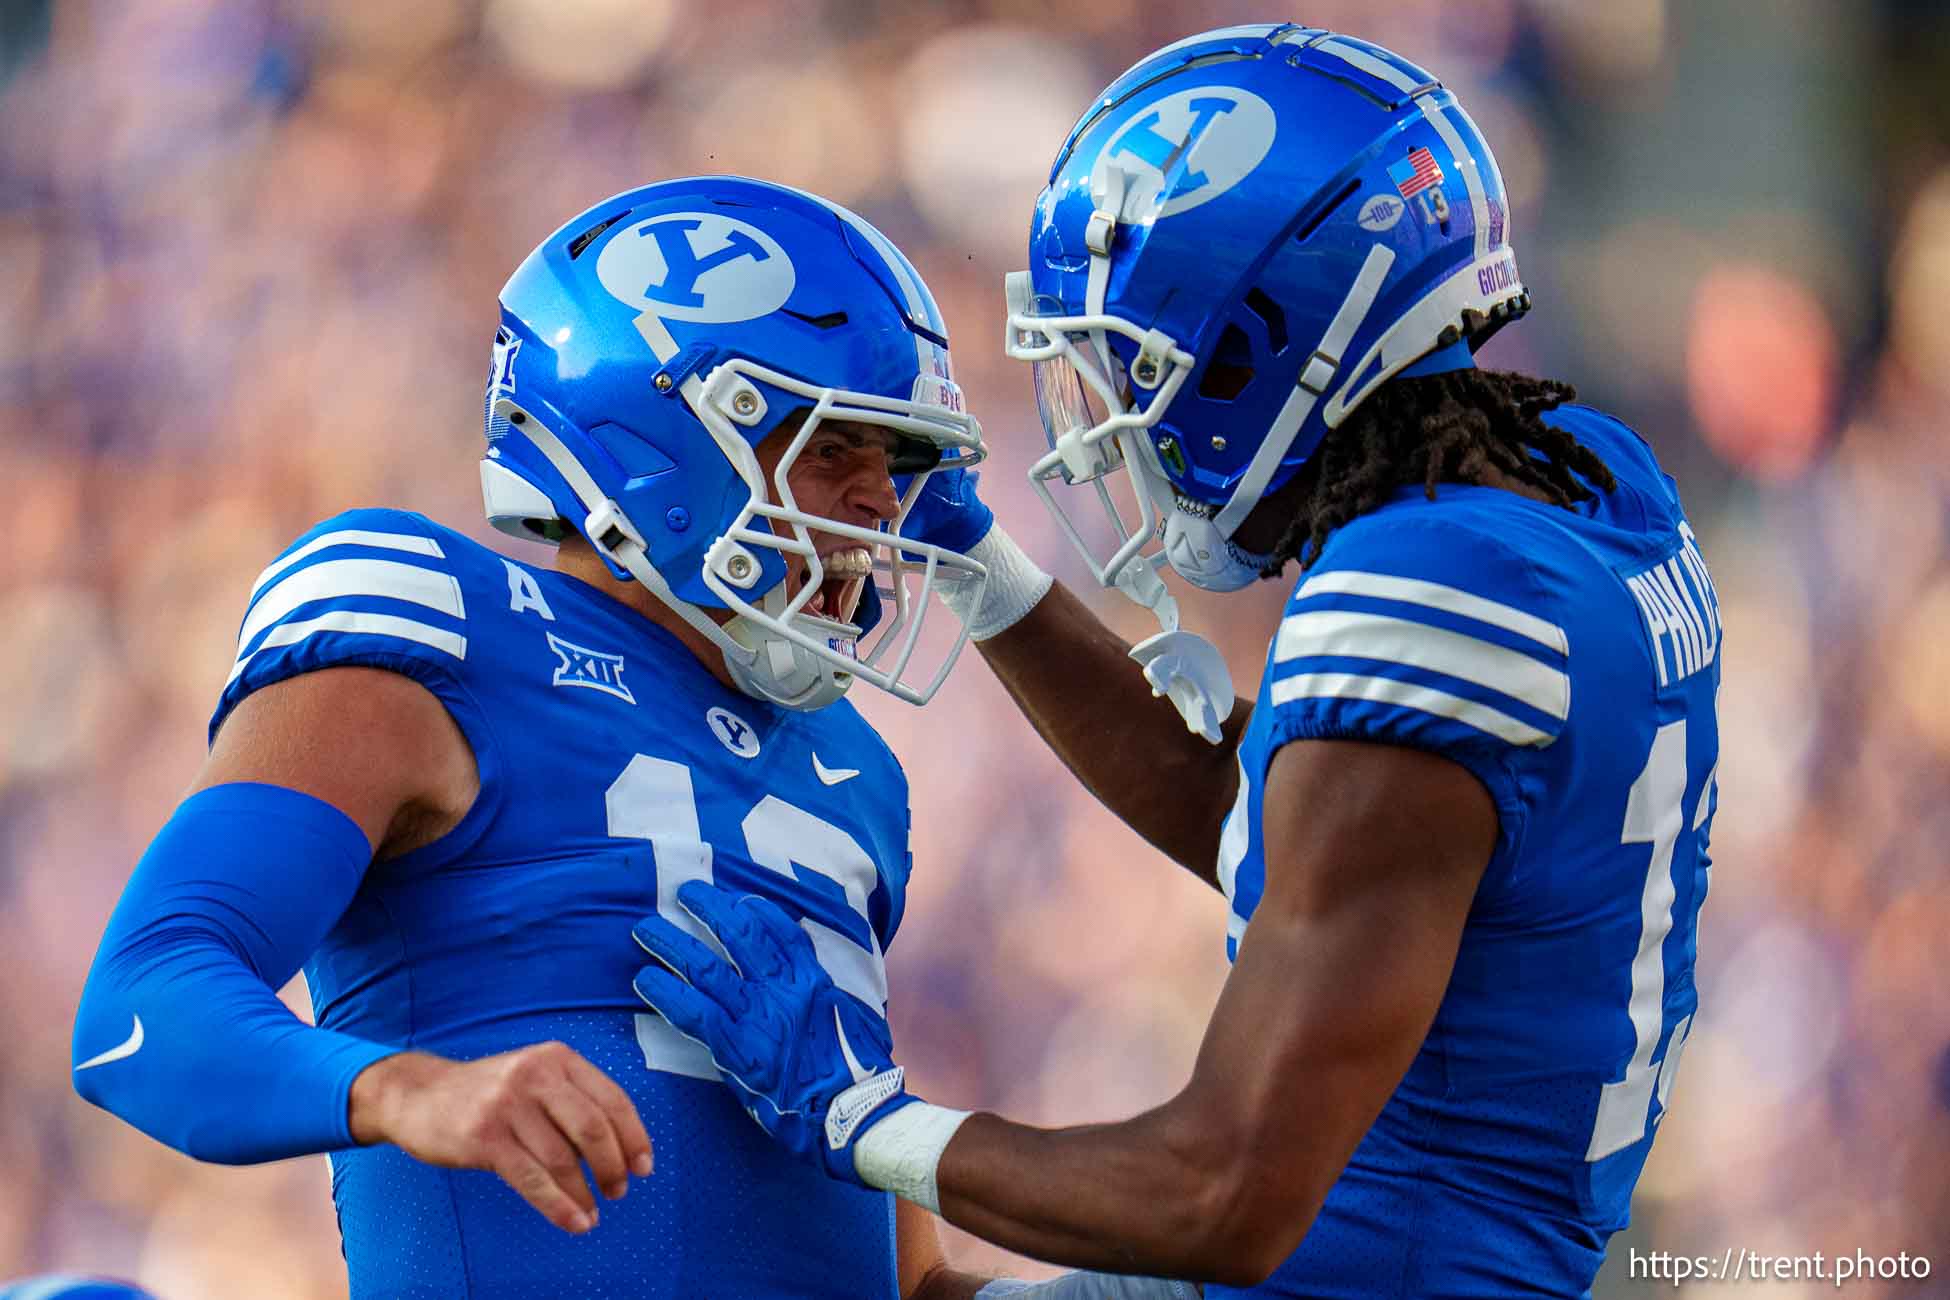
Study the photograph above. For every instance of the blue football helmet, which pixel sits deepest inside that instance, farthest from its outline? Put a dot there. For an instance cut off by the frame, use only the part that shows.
(1246, 234)
(651, 343)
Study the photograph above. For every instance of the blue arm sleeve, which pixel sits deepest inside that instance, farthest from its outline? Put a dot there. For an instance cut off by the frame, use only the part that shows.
(180, 1030)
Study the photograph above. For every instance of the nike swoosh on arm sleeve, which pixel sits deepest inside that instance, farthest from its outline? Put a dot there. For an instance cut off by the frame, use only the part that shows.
(236, 890)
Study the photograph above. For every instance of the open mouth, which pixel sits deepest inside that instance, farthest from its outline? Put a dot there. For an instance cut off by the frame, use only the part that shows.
(847, 572)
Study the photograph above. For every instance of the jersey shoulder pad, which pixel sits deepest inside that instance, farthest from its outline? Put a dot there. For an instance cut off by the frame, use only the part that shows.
(1623, 449)
(369, 588)
(1422, 629)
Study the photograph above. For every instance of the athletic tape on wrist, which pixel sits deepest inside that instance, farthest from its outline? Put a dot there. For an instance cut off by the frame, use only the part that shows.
(1015, 585)
(899, 1154)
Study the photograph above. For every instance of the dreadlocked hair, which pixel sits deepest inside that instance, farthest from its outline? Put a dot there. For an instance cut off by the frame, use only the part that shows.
(1443, 428)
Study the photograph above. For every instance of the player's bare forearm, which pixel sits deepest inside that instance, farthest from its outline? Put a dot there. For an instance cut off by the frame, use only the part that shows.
(1145, 1196)
(1074, 680)
(1337, 981)
(1220, 1183)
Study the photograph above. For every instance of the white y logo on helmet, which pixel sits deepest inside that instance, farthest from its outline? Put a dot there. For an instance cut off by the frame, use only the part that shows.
(1185, 149)
(696, 266)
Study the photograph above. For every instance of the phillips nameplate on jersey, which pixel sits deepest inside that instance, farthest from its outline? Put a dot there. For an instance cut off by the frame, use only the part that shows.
(1682, 611)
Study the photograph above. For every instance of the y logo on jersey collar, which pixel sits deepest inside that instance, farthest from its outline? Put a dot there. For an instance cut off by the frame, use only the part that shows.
(733, 732)
(1185, 149)
(597, 670)
(696, 266)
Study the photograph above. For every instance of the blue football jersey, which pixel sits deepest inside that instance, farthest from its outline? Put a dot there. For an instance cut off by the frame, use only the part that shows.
(1570, 660)
(613, 767)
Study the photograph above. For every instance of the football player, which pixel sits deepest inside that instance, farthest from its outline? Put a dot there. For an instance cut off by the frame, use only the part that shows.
(443, 781)
(1463, 826)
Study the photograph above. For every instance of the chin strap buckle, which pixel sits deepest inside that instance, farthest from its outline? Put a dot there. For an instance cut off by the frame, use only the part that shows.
(609, 530)
(1099, 231)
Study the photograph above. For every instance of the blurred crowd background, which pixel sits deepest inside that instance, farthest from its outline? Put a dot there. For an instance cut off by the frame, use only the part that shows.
(249, 251)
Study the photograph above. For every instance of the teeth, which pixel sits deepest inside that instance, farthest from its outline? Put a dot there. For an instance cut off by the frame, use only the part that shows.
(854, 562)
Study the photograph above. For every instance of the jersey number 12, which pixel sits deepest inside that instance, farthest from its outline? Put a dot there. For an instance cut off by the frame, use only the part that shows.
(653, 800)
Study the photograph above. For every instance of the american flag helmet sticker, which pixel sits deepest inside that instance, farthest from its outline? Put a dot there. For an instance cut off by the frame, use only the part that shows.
(1415, 173)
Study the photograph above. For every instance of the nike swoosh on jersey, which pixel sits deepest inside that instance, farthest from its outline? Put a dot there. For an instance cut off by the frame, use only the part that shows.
(126, 1048)
(832, 775)
(859, 1072)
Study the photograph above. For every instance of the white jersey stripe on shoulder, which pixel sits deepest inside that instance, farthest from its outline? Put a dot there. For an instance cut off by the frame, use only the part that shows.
(352, 620)
(1435, 595)
(1479, 203)
(1368, 63)
(349, 537)
(349, 580)
(1409, 695)
(1358, 635)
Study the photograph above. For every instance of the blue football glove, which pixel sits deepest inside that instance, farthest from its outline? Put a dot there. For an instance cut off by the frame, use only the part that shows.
(811, 1063)
(947, 513)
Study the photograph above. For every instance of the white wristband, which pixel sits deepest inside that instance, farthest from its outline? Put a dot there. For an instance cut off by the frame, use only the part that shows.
(899, 1154)
(1015, 585)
